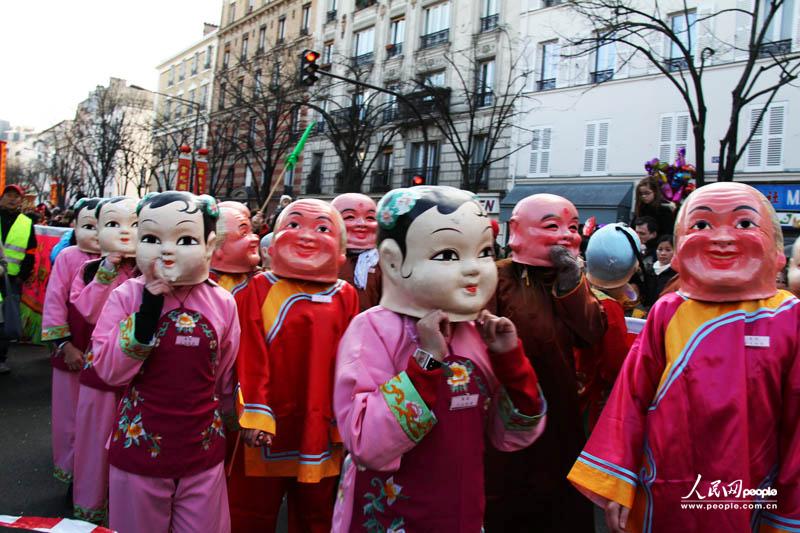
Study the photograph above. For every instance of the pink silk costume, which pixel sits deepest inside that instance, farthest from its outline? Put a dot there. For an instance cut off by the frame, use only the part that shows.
(697, 396)
(58, 323)
(373, 354)
(97, 401)
(121, 360)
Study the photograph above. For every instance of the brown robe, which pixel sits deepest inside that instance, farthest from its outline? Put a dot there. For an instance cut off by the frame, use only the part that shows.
(369, 296)
(528, 490)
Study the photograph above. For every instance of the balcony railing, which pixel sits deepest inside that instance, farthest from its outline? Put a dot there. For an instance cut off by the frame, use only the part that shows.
(330, 16)
(775, 48)
(676, 63)
(381, 181)
(363, 59)
(484, 99)
(393, 50)
(390, 114)
(303, 31)
(479, 174)
(431, 175)
(321, 125)
(348, 117)
(489, 22)
(426, 102)
(551, 3)
(433, 39)
(361, 4)
(600, 76)
(544, 85)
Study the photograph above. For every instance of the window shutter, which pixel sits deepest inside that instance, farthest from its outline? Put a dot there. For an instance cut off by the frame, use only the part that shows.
(588, 151)
(535, 143)
(754, 149)
(774, 129)
(665, 138)
(681, 132)
(602, 147)
(544, 167)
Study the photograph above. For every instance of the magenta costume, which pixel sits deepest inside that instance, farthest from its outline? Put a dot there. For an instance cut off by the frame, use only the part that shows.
(706, 406)
(97, 400)
(60, 322)
(409, 468)
(168, 443)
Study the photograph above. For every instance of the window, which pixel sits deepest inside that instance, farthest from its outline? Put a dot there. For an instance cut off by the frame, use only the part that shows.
(397, 32)
(416, 162)
(167, 109)
(281, 29)
(478, 168)
(226, 57)
(276, 74)
(605, 57)
(192, 93)
(231, 12)
(539, 164)
(182, 71)
(178, 108)
(251, 4)
(314, 181)
(331, 15)
(204, 96)
(248, 176)
(489, 15)
(195, 63)
(548, 68)
(294, 124)
(434, 79)
(171, 79)
(305, 20)
(239, 91)
(437, 25)
(251, 130)
(765, 150)
(257, 84)
(778, 37)
(673, 133)
(327, 53)
(595, 151)
(364, 46)
(222, 88)
(245, 43)
(685, 30)
(209, 52)
(485, 83)
(262, 39)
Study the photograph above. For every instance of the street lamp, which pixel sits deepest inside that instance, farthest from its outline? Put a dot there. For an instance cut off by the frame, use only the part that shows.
(197, 107)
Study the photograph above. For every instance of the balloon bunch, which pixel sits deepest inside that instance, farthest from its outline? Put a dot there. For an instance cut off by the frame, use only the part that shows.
(677, 179)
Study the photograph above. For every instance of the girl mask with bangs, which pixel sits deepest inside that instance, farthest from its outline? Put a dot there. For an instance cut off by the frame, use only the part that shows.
(116, 226)
(436, 252)
(176, 236)
(86, 225)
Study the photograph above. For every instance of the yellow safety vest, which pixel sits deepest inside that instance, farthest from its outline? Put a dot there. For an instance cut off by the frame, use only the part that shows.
(17, 242)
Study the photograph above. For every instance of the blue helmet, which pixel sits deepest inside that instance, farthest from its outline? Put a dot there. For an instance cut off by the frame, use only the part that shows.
(612, 256)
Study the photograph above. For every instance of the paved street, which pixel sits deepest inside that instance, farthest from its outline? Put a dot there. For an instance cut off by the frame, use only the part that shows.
(27, 485)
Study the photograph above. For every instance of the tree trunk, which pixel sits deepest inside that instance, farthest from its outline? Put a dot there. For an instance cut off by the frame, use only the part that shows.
(700, 146)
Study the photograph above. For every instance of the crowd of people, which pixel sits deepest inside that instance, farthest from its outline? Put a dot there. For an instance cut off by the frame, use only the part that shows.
(381, 369)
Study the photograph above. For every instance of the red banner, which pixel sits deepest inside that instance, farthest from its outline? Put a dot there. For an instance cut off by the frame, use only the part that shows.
(184, 169)
(2, 165)
(54, 194)
(201, 170)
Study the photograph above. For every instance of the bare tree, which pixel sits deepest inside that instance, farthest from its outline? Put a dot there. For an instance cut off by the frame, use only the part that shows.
(643, 29)
(61, 164)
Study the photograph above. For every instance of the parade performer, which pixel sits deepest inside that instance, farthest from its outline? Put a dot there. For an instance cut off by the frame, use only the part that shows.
(236, 256)
(419, 385)
(170, 337)
(292, 319)
(97, 400)
(705, 408)
(69, 334)
(542, 291)
(612, 256)
(361, 268)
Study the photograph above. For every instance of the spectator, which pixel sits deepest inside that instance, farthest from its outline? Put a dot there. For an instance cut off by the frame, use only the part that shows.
(19, 249)
(660, 273)
(258, 222)
(647, 229)
(284, 201)
(649, 202)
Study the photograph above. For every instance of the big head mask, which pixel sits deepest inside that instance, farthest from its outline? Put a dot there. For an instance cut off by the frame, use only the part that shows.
(116, 225)
(237, 245)
(436, 252)
(308, 242)
(359, 214)
(86, 225)
(176, 236)
(540, 222)
(728, 244)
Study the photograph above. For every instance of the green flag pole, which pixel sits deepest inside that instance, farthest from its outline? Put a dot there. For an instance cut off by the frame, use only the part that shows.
(291, 161)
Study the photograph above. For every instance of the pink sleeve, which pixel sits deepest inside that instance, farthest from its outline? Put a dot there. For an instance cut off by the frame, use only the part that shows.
(228, 348)
(89, 299)
(54, 314)
(379, 413)
(118, 355)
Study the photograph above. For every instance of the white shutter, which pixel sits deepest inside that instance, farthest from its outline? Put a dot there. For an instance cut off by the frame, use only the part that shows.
(535, 144)
(602, 147)
(665, 138)
(588, 151)
(754, 148)
(540, 152)
(544, 167)
(774, 129)
(681, 131)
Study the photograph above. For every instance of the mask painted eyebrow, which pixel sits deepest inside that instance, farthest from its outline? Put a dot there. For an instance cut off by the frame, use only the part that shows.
(701, 208)
(326, 218)
(446, 229)
(186, 221)
(745, 207)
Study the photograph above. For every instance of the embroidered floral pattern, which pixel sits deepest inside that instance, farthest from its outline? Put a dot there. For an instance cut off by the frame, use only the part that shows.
(386, 494)
(62, 475)
(514, 420)
(408, 407)
(55, 333)
(394, 204)
(184, 322)
(105, 275)
(217, 428)
(460, 377)
(128, 343)
(88, 359)
(131, 428)
(95, 516)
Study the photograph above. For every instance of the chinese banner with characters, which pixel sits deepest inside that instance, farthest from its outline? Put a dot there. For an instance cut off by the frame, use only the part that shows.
(54, 194)
(184, 168)
(201, 168)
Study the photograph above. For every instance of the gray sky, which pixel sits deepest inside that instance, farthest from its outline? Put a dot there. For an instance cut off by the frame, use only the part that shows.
(54, 52)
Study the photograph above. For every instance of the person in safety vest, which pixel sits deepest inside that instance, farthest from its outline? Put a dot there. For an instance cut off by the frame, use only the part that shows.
(18, 241)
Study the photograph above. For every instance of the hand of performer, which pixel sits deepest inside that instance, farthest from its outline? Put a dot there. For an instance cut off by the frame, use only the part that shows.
(616, 517)
(568, 269)
(73, 357)
(155, 282)
(499, 333)
(434, 330)
(256, 437)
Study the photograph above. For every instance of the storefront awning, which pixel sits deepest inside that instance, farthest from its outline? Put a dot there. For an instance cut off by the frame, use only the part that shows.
(608, 202)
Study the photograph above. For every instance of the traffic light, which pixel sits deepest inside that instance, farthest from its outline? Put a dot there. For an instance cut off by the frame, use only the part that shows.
(418, 180)
(309, 67)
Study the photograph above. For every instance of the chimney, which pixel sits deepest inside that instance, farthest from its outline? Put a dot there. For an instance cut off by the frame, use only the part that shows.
(208, 28)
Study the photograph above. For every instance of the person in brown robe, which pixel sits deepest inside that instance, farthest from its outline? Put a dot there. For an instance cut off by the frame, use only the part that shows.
(361, 268)
(542, 290)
